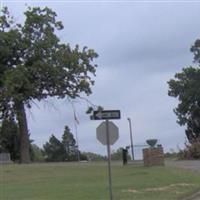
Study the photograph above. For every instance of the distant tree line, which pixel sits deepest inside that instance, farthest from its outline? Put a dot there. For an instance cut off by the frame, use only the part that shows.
(54, 150)
(9, 138)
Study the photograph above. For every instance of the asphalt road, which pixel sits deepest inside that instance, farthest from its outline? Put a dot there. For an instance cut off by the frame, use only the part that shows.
(188, 164)
(193, 165)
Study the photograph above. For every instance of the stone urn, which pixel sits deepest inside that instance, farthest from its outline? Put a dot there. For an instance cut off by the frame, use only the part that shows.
(151, 142)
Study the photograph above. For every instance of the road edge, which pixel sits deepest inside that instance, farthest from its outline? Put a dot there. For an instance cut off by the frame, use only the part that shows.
(195, 196)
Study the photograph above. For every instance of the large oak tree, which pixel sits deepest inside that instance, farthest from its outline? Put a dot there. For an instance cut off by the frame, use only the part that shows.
(35, 65)
(186, 87)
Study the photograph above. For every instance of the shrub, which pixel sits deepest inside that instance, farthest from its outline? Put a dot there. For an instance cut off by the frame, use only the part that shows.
(191, 151)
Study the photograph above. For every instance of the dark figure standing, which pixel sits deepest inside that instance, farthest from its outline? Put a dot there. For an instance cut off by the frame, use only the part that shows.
(125, 156)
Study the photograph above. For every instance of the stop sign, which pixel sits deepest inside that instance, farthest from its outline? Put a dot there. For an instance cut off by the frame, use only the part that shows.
(113, 133)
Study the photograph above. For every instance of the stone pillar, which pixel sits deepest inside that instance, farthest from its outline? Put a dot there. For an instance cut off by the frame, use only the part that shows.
(153, 156)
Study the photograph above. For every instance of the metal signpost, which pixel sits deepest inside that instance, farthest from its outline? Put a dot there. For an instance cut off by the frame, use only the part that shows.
(107, 134)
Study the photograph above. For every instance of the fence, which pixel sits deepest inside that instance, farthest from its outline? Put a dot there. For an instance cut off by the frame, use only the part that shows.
(138, 151)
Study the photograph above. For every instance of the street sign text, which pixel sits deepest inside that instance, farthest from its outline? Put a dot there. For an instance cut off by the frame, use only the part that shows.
(106, 114)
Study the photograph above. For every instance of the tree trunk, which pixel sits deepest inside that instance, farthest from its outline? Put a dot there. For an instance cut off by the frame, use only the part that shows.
(24, 136)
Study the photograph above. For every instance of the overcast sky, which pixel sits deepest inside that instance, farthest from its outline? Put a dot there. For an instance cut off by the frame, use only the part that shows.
(141, 45)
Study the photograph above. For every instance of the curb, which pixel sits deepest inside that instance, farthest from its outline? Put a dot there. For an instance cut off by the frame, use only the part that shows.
(195, 196)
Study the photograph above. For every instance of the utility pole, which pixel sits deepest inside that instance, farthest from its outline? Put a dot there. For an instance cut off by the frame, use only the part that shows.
(131, 137)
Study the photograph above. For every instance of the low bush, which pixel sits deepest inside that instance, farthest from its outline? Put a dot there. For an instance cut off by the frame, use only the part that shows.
(191, 151)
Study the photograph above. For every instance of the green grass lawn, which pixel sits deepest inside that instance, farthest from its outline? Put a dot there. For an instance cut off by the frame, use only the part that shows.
(88, 181)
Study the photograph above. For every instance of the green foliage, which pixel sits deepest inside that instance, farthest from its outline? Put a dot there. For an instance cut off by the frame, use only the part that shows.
(37, 154)
(64, 150)
(69, 144)
(93, 156)
(94, 108)
(34, 65)
(191, 151)
(186, 87)
(9, 139)
(83, 157)
(193, 126)
(117, 154)
(171, 154)
(54, 150)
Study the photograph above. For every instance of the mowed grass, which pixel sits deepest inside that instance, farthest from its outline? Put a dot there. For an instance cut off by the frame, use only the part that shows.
(89, 181)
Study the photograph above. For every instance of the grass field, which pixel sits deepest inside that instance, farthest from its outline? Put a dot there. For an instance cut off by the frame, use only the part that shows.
(88, 181)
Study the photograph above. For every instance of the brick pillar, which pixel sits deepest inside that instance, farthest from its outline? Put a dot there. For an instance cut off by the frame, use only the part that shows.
(153, 156)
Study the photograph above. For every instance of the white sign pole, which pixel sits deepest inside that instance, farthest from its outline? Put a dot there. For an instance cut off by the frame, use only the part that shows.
(109, 159)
